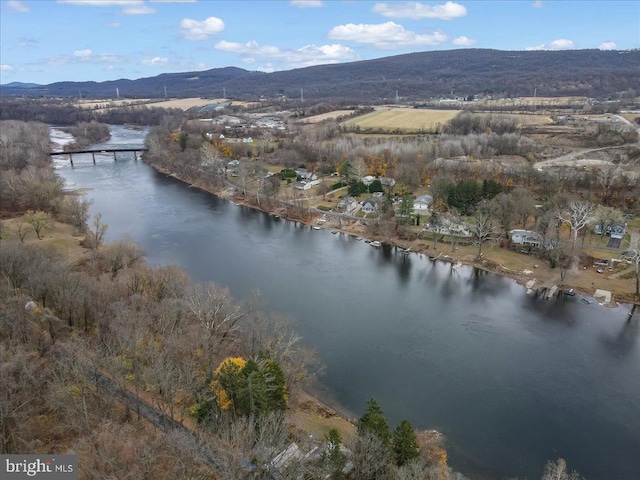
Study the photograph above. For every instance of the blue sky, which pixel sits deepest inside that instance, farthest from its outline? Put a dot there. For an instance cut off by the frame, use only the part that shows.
(45, 41)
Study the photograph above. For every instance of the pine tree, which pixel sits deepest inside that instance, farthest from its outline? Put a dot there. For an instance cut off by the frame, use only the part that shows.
(333, 457)
(405, 444)
(373, 420)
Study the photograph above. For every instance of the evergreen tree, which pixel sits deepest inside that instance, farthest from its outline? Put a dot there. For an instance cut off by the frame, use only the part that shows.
(405, 444)
(333, 457)
(275, 385)
(373, 420)
(251, 396)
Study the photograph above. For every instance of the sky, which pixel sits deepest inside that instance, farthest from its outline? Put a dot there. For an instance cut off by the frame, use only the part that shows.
(46, 41)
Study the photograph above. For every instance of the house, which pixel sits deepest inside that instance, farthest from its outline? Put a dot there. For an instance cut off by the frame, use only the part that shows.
(305, 174)
(369, 206)
(617, 230)
(526, 238)
(247, 140)
(289, 454)
(421, 204)
(302, 185)
(387, 181)
(348, 204)
(233, 163)
(368, 180)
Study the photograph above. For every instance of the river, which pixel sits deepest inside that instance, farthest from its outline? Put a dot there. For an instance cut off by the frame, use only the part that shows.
(511, 380)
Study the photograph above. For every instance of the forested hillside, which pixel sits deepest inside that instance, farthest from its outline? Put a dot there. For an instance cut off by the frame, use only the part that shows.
(416, 76)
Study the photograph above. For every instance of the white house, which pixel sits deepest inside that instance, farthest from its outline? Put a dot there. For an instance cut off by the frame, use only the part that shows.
(421, 204)
(387, 181)
(349, 204)
(306, 175)
(302, 185)
(369, 206)
(614, 231)
(526, 238)
(368, 180)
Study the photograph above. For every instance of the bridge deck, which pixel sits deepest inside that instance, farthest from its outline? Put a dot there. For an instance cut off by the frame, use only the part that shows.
(102, 150)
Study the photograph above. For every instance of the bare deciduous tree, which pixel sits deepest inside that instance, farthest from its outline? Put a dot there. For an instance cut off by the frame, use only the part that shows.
(39, 221)
(483, 227)
(558, 471)
(578, 214)
(215, 309)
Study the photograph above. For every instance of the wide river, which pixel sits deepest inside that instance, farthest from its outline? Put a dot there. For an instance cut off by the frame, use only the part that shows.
(511, 380)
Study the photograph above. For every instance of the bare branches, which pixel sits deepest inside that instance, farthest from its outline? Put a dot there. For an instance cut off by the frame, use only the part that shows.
(578, 215)
(215, 309)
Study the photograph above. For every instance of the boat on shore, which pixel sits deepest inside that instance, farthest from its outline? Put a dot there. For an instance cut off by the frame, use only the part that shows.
(375, 243)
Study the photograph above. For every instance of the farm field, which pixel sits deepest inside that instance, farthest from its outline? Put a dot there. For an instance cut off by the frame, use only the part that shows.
(408, 120)
(326, 116)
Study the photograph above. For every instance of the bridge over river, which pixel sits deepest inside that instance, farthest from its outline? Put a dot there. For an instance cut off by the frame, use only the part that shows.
(115, 151)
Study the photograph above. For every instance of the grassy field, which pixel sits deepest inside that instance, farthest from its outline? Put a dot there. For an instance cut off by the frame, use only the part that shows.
(326, 116)
(402, 119)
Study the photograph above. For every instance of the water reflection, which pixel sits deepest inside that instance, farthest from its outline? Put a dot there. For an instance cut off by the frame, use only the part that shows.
(512, 380)
(624, 343)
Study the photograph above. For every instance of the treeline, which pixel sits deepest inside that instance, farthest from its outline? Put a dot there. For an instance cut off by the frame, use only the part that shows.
(27, 179)
(86, 133)
(47, 111)
(466, 123)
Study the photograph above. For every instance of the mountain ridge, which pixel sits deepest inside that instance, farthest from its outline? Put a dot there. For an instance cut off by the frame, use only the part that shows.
(461, 72)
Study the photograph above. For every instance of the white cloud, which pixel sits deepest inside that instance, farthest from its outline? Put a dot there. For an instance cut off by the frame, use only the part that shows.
(18, 6)
(138, 10)
(307, 3)
(82, 53)
(156, 62)
(538, 4)
(608, 46)
(103, 3)
(28, 42)
(108, 58)
(197, 30)
(6, 68)
(291, 58)
(114, 25)
(385, 36)
(415, 10)
(464, 41)
(85, 56)
(130, 7)
(560, 44)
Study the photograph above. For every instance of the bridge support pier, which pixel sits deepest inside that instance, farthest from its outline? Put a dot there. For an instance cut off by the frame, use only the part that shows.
(135, 155)
(114, 157)
(93, 156)
(71, 159)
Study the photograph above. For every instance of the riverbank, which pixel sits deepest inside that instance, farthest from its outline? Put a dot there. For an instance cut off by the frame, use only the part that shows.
(309, 415)
(528, 271)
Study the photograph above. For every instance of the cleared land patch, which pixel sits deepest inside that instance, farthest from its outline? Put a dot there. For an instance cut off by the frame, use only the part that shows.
(326, 116)
(402, 119)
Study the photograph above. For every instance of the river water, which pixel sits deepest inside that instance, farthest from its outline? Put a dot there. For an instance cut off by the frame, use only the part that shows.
(511, 380)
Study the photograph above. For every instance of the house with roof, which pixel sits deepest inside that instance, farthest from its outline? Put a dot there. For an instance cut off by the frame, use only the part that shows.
(368, 180)
(305, 174)
(387, 181)
(302, 185)
(348, 204)
(526, 238)
(617, 230)
(369, 206)
(421, 204)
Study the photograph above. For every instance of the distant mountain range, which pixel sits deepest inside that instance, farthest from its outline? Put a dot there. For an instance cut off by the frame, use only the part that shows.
(415, 77)
(20, 85)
